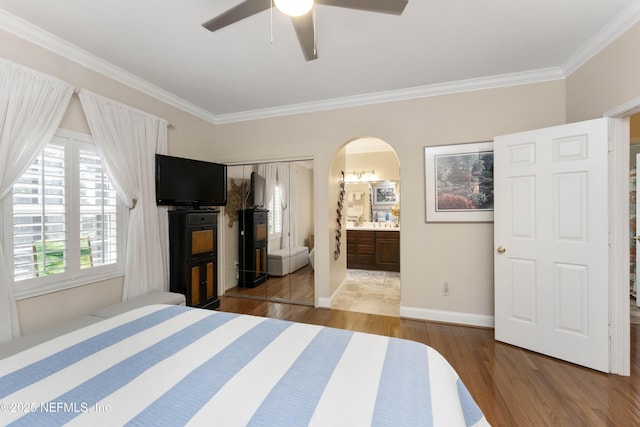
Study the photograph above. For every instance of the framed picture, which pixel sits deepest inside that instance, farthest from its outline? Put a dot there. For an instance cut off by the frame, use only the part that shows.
(459, 182)
(384, 194)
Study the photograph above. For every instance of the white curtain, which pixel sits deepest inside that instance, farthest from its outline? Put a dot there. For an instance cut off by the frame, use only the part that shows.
(293, 203)
(31, 108)
(128, 140)
(270, 176)
(285, 198)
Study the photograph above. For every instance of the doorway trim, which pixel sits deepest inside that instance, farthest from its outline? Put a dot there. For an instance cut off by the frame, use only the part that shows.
(619, 320)
(374, 145)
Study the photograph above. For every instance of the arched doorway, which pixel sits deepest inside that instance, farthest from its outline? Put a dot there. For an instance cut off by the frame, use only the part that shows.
(372, 220)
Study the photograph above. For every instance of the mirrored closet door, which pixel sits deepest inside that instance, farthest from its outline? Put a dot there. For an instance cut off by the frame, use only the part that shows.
(269, 231)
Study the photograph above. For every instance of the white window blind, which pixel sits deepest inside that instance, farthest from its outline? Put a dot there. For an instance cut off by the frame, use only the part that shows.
(98, 213)
(67, 219)
(275, 211)
(39, 212)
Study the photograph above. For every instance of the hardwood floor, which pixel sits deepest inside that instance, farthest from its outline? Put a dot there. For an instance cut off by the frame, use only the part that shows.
(513, 387)
(296, 287)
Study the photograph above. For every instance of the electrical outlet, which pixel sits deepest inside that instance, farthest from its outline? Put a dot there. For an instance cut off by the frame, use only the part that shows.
(445, 289)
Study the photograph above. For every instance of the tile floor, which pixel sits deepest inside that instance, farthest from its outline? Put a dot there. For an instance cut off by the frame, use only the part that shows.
(374, 292)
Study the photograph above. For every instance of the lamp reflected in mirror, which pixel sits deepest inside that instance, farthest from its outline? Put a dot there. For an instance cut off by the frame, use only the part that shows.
(395, 211)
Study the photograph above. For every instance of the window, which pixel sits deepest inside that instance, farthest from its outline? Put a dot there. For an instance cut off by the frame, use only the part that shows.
(67, 219)
(275, 212)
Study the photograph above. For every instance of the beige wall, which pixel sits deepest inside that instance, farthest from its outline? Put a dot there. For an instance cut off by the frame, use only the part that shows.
(44, 310)
(190, 137)
(384, 163)
(610, 79)
(337, 267)
(461, 254)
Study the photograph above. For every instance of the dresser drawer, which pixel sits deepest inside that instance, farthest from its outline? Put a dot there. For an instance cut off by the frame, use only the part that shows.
(201, 218)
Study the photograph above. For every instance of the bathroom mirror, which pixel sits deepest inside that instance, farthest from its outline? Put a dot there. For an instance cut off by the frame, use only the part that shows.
(372, 201)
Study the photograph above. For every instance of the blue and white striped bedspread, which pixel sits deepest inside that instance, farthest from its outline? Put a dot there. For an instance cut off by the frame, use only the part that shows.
(172, 365)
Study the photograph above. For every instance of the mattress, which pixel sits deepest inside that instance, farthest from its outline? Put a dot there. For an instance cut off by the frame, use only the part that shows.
(175, 365)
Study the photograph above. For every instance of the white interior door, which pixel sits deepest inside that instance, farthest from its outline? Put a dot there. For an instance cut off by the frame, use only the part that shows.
(551, 233)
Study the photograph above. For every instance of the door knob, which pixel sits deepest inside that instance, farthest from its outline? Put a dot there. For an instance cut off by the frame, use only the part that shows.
(501, 249)
(637, 237)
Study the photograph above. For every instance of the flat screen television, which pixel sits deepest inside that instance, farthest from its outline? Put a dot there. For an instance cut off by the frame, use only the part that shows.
(191, 183)
(256, 195)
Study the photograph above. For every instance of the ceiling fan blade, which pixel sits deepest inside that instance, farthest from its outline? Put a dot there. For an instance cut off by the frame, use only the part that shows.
(394, 7)
(306, 35)
(237, 13)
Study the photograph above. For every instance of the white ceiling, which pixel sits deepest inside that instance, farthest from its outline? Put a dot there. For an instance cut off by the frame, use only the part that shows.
(435, 46)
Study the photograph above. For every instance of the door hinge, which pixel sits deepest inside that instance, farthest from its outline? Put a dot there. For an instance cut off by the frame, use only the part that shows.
(611, 146)
(612, 330)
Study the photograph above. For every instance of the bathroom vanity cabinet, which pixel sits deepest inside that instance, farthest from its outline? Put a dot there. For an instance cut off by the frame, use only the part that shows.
(370, 249)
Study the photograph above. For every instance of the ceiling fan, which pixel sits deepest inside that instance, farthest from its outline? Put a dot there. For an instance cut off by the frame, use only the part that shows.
(301, 15)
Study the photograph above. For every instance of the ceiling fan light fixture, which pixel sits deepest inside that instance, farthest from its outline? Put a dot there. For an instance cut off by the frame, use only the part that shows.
(294, 7)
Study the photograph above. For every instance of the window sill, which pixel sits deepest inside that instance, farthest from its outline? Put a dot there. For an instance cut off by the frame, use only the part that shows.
(38, 290)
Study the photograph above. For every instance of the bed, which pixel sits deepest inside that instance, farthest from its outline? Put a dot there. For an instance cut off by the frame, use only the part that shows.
(176, 365)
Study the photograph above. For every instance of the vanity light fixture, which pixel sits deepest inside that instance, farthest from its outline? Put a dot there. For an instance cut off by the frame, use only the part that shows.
(362, 176)
(294, 7)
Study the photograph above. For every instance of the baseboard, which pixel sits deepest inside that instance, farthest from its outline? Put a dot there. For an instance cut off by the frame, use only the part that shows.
(324, 302)
(467, 319)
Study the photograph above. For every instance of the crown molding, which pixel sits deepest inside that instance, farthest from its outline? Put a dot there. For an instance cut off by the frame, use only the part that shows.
(614, 29)
(629, 108)
(481, 83)
(40, 37)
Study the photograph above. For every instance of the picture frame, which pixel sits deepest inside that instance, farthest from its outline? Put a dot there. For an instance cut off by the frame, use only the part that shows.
(384, 194)
(459, 182)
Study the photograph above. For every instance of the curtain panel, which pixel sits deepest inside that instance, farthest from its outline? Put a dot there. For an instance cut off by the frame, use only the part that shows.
(285, 199)
(270, 179)
(32, 105)
(128, 140)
